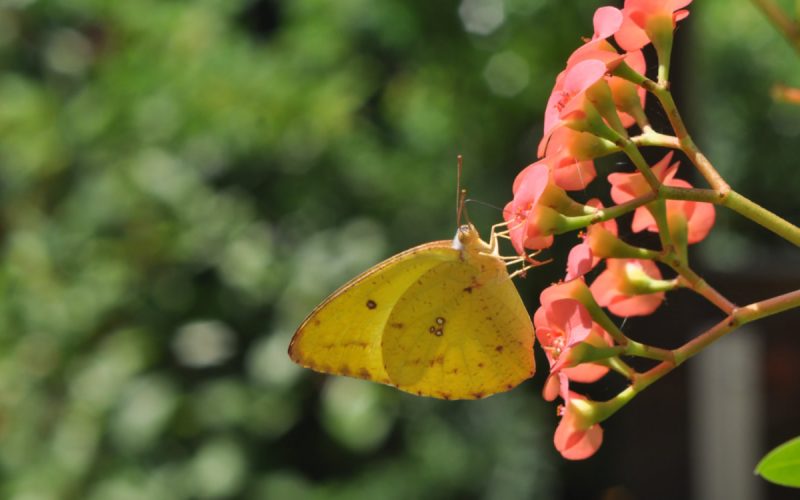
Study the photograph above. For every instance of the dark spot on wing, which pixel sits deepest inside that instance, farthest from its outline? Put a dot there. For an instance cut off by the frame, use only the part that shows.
(396, 325)
(345, 370)
(371, 304)
(468, 289)
(480, 365)
(364, 373)
(437, 360)
(478, 395)
(499, 348)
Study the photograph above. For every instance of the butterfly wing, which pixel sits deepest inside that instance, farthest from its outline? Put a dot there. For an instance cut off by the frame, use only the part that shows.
(342, 336)
(460, 331)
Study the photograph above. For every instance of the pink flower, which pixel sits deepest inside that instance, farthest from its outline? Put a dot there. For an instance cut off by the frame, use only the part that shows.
(625, 187)
(699, 216)
(607, 21)
(530, 215)
(586, 255)
(574, 438)
(586, 66)
(643, 18)
(562, 156)
(568, 95)
(562, 322)
(619, 287)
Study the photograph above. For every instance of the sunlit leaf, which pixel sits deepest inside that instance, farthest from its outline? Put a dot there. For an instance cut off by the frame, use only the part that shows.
(782, 465)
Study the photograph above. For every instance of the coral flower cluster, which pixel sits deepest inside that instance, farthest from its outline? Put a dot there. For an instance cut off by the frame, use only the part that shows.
(596, 105)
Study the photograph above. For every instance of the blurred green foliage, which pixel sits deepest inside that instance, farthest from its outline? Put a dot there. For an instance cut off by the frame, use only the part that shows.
(750, 137)
(182, 181)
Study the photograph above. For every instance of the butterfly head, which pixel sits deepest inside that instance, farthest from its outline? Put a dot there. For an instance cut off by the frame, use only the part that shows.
(468, 240)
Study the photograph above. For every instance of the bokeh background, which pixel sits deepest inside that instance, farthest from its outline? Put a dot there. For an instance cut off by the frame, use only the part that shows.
(182, 181)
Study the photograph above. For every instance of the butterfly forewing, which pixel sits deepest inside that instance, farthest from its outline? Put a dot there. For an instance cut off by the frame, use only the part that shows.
(343, 334)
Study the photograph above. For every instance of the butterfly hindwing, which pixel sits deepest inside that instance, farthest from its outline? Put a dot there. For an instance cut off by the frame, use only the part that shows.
(460, 331)
(343, 335)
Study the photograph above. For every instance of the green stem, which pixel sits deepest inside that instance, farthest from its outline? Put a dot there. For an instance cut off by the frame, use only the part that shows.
(571, 223)
(762, 216)
(641, 164)
(658, 209)
(601, 318)
(647, 351)
(690, 279)
(620, 367)
(739, 204)
(663, 70)
(652, 138)
(687, 144)
(739, 317)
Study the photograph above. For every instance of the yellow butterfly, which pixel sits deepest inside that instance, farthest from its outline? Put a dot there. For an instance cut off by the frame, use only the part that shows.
(442, 319)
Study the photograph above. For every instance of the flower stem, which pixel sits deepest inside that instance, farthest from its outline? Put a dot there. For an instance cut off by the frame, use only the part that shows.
(737, 318)
(605, 214)
(647, 351)
(693, 281)
(762, 216)
(652, 138)
(688, 146)
(641, 164)
(739, 204)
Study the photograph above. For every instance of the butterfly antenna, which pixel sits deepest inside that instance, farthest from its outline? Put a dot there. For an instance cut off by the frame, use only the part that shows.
(459, 197)
(462, 207)
(481, 202)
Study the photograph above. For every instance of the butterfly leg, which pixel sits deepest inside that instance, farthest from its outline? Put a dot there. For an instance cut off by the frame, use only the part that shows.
(528, 265)
(494, 233)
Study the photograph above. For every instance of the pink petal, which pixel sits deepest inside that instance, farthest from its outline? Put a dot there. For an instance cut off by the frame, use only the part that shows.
(583, 75)
(551, 387)
(643, 220)
(630, 35)
(636, 305)
(573, 319)
(604, 288)
(607, 21)
(574, 176)
(701, 221)
(623, 186)
(579, 261)
(574, 444)
(586, 372)
(533, 173)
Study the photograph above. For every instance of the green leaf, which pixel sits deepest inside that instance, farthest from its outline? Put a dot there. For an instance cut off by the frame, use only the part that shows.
(782, 465)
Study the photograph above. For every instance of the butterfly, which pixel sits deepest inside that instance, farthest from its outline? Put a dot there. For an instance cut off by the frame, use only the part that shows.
(442, 319)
